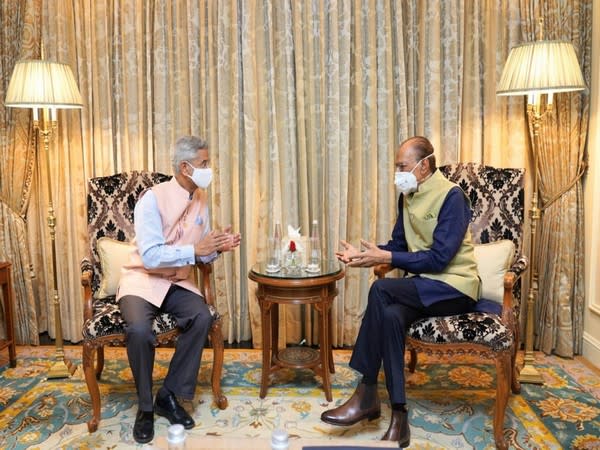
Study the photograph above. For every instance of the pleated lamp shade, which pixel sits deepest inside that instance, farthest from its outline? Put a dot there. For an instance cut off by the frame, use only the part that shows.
(541, 67)
(42, 84)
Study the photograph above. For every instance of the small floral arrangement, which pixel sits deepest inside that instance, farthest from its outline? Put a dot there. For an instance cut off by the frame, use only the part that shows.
(293, 258)
(293, 249)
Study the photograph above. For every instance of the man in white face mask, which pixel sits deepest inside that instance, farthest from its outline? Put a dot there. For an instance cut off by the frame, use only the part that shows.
(172, 233)
(432, 242)
(406, 181)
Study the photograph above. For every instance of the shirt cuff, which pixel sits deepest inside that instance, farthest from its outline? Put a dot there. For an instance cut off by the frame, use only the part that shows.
(397, 259)
(208, 258)
(187, 254)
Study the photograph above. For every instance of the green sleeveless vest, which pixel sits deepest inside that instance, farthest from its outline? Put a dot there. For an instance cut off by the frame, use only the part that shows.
(420, 214)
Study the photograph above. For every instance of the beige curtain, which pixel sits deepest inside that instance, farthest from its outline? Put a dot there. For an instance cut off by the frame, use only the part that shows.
(303, 104)
(19, 28)
(560, 256)
(329, 90)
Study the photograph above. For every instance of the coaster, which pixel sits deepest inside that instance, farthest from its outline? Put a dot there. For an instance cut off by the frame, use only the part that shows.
(314, 269)
(275, 269)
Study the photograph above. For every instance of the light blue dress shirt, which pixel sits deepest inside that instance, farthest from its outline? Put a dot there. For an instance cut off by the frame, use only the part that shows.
(151, 242)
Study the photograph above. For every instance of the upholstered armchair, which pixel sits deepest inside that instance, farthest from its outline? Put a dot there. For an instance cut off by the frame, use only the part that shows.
(491, 332)
(110, 204)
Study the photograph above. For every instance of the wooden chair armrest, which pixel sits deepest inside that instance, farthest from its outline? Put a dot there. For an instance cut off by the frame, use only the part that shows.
(382, 269)
(86, 281)
(519, 266)
(205, 283)
(515, 272)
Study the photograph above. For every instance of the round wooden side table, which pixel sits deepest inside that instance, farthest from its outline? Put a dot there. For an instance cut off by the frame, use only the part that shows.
(296, 287)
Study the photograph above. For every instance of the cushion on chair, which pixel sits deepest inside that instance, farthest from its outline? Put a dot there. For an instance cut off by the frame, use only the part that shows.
(476, 328)
(113, 254)
(493, 260)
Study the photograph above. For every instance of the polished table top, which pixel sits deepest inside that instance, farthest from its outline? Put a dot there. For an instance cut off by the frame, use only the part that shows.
(328, 268)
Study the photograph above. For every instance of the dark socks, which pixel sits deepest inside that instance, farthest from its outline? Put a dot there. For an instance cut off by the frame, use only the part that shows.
(399, 407)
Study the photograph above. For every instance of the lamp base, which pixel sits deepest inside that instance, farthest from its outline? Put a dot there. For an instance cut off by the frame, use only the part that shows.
(61, 369)
(529, 374)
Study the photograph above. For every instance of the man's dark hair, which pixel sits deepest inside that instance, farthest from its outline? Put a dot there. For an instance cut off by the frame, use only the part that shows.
(422, 148)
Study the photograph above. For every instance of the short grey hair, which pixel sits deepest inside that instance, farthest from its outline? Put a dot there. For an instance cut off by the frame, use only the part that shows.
(186, 149)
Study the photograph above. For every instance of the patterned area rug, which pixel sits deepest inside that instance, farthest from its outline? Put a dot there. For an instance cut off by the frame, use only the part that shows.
(450, 404)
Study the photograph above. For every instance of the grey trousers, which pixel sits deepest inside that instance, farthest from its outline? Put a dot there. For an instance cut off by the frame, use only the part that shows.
(192, 317)
(394, 304)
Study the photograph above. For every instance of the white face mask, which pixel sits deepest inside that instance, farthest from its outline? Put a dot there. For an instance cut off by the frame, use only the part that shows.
(406, 182)
(201, 177)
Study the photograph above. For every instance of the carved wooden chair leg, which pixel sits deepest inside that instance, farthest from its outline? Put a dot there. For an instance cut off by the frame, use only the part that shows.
(92, 384)
(331, 365)
(216, 338)
(412, 364)
(515, 383)
(99, 362)
(503, 375)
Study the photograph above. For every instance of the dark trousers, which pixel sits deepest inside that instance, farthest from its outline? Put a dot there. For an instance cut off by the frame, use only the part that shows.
(394, 304)
(192, 317)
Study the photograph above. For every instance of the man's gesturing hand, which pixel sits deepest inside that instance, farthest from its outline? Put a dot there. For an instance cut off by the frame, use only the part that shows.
(232, 242)
(371, 256)
(217, 241)
(348, 253)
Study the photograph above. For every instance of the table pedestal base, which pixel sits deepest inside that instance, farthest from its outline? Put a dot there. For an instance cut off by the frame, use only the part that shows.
(297, 357)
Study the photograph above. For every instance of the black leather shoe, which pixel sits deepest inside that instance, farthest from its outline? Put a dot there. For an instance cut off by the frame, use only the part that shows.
(143, 430)
(168, 407)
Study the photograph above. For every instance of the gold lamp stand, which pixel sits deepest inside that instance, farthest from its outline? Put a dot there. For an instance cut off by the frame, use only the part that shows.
(529, 374)
(61, 367)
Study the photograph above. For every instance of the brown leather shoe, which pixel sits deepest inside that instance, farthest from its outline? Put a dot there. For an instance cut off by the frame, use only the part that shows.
(399, 429)
(364, 404)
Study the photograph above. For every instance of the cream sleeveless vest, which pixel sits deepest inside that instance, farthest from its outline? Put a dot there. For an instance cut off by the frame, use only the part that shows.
(184, 221)
(420, 214)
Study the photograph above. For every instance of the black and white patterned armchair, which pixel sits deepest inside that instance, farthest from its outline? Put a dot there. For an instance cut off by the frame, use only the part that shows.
(491, 332)
(110, 205)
